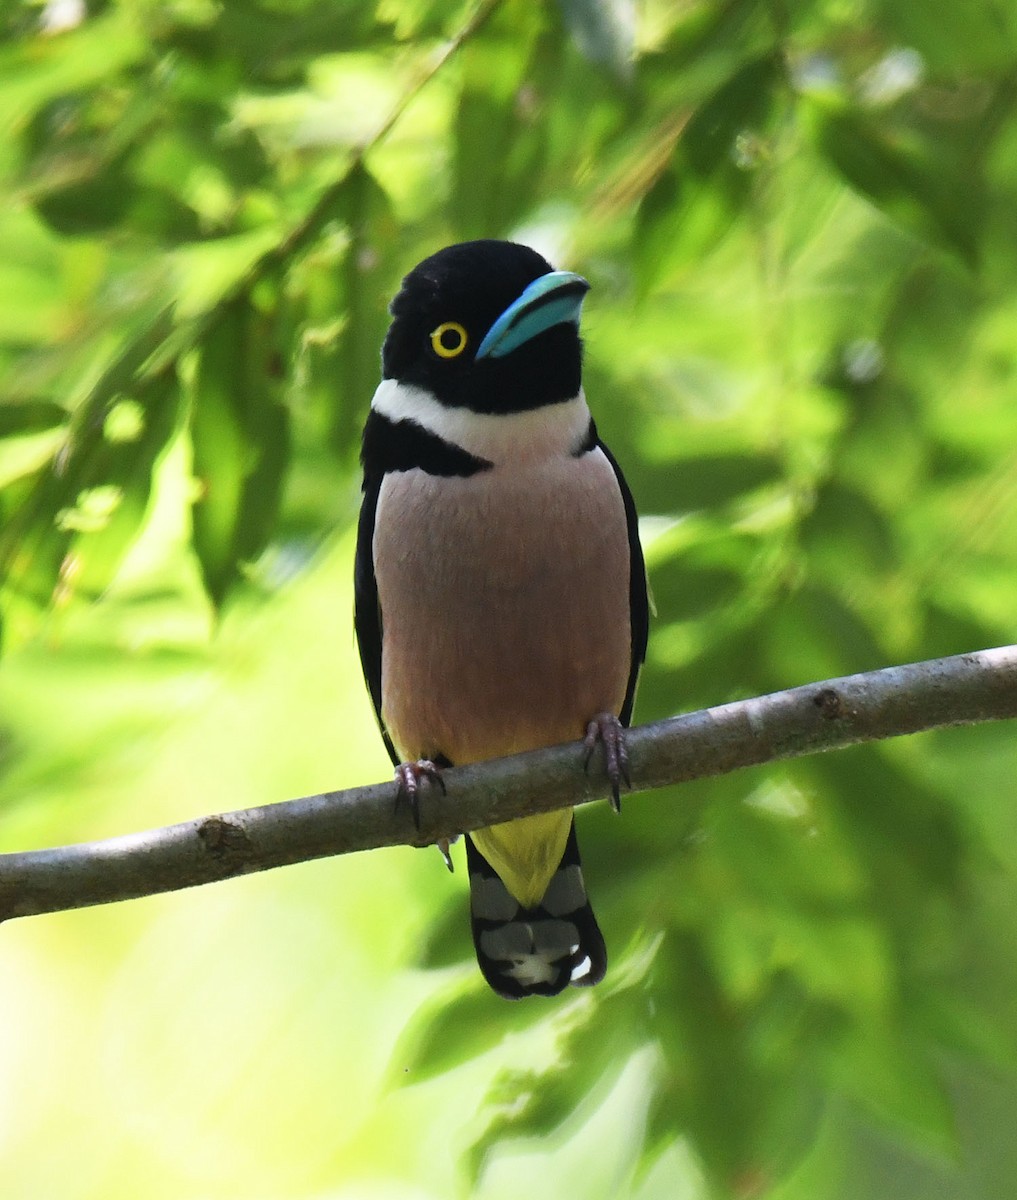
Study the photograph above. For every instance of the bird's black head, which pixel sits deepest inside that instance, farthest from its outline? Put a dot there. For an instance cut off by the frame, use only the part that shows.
(472, 326)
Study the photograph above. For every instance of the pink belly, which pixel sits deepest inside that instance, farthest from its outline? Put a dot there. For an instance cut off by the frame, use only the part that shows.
(505, 606)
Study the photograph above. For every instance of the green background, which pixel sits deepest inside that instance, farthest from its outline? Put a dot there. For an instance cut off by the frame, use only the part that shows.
(799, 220)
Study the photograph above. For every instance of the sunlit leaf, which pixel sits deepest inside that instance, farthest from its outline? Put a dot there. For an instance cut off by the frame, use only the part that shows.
(983, 36)
(347, 367)
(697, 198)
(455, 1029)
(908, 181)
(39, 69)
(604, 30)
(97, 552)
(535, 1103)
(239, 432)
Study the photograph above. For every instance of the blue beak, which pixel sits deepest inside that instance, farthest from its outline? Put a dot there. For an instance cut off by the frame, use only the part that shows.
(554, 299)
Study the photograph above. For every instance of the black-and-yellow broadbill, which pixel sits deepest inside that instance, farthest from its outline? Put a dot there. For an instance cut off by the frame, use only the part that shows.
(500, 590)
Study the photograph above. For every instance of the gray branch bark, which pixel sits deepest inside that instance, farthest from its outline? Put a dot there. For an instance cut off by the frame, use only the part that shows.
(964, 689)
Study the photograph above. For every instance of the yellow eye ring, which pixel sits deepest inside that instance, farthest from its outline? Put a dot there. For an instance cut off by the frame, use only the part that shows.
(449, 339)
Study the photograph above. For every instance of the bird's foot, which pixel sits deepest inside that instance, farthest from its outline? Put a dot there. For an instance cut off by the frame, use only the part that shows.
(609, 731)
(408, 776)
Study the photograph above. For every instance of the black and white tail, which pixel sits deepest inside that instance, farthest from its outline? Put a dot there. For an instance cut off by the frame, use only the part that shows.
(535, 951)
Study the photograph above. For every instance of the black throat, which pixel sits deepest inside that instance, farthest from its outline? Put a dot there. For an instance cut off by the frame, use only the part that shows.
(406, 446)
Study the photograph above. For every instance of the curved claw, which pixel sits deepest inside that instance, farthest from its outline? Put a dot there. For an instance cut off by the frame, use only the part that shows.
(609, 731)
(408, 776)
(444, 845)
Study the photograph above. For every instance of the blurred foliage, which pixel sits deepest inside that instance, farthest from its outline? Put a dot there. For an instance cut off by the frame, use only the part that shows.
(800, 222)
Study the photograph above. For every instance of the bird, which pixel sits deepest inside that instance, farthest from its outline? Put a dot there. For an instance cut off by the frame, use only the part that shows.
(500, 589)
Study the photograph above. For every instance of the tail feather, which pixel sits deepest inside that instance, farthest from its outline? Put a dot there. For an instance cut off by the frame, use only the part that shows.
(540, 950)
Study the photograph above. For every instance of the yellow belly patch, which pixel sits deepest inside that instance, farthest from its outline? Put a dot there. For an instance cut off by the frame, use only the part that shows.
(526, 853)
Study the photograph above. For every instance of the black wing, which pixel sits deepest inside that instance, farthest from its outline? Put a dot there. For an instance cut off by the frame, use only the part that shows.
(639, 604)
(367, 611)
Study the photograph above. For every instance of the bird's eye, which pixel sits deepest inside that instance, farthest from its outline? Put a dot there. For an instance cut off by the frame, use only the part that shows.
(449, 339)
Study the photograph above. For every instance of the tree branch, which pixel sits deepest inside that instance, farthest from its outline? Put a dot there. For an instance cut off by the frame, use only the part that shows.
(964, 689)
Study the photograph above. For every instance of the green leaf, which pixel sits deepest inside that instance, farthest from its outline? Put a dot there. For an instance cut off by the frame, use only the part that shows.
(36, 70)
(95, 204)
(125, 480)
(454, 1029)
(447, 942)
(346, 370)
(821, 635)
(850, 528)
(703, 576)
(593, 1042)
(29, 416)
(698, 197)
(979, 35)
(743, 102)
(33, 539)
(240, 437)
(894, 1078)
(695, 482)
(922, 190)
(604, 30)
